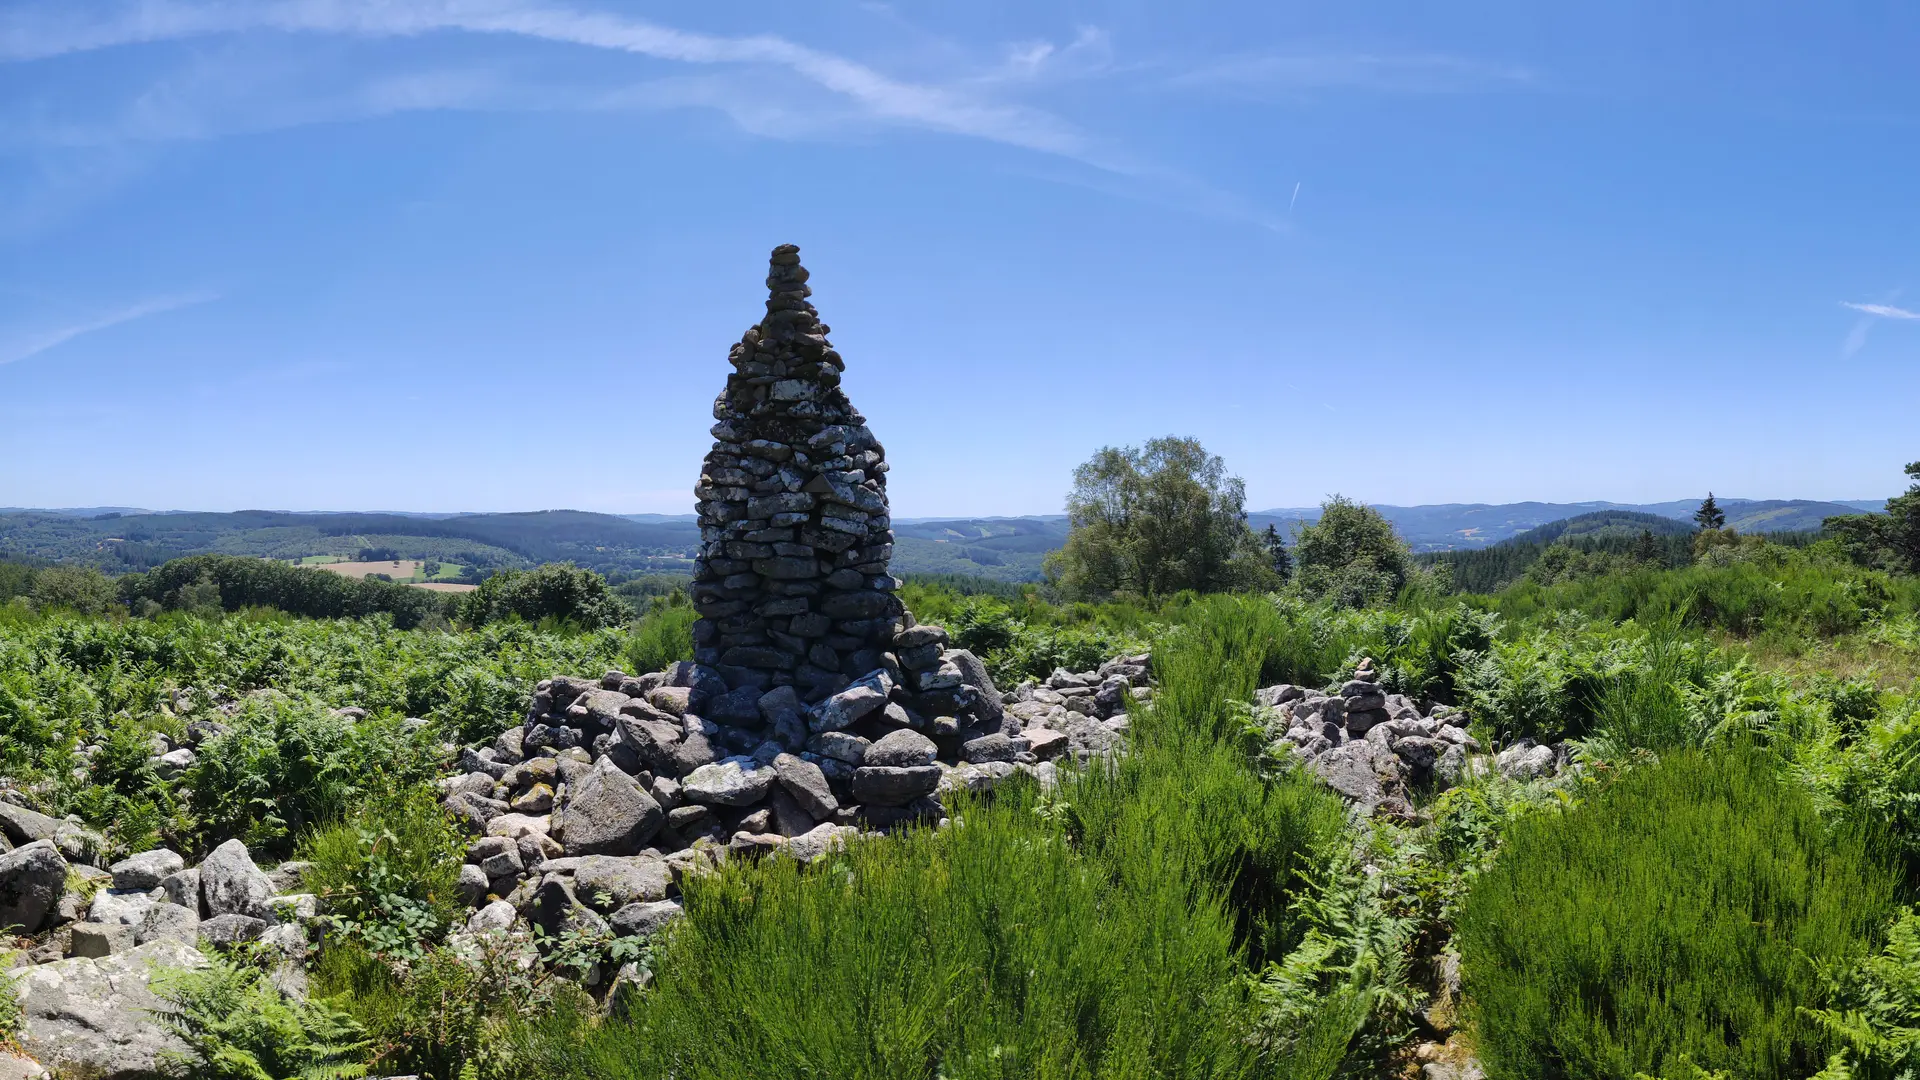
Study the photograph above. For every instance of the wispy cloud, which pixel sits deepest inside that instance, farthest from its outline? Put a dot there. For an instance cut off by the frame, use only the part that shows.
(48, 32)
(1884, 311)
(1871, 315)
(35, 344)
(846, 94)
(1407, 73)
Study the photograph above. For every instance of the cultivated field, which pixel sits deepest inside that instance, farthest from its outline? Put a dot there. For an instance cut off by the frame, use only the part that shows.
(398, 569)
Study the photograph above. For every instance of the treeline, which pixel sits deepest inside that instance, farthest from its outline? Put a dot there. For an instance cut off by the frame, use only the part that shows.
(210, 584)
(1491, 569)
(117, 543)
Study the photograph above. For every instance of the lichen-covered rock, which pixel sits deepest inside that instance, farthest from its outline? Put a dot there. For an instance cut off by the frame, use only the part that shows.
(606, 813)
(905, 748)
(736, 781)
(147, 869)
(894, 786)
(605, 882)
(94, 1017)
(232, 885)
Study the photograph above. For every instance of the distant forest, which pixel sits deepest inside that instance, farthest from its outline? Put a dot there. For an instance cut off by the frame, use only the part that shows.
(1654, 540)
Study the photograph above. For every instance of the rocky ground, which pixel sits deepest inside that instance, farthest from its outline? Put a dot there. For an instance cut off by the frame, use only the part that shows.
(586, 816)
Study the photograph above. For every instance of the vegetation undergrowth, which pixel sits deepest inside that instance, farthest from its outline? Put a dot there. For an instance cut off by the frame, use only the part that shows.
(1674, 920)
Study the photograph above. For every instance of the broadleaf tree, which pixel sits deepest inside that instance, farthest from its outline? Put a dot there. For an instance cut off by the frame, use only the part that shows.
(1157, 519)
(1351, 556)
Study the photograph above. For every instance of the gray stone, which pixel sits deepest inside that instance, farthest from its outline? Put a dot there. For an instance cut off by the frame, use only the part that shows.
(904, 748)
(32, 879)
(1524, 761)
(820, 841)
(994, 747)
(840, 745)
(232, 885)
(867, 694)
(496, 916)
(124, 907)
(1045, 743)
(183, 888)
(977, 778)
(472, 885)
(168, 922)
(1348, 769)
(803, 780)
(1419, 751)
(147, 869)
(94, 1017)
(645, 918)
(606, 813)
(232, 929)
(894, 786)
(556, 910)
(735, 781)
(15, 1067)
(100, 939)
(22, 826)
(606, 883)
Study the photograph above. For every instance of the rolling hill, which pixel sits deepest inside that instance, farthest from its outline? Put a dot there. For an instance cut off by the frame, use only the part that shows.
(1002, 548)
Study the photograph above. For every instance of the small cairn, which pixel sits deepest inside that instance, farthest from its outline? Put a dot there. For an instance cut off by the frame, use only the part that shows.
(1366, 703)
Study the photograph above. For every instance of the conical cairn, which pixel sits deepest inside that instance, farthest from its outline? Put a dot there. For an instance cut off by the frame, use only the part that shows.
(791, 583)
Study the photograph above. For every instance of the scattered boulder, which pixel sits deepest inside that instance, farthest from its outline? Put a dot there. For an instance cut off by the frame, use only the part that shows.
(147, 869)
(230, 884)
(32, 879)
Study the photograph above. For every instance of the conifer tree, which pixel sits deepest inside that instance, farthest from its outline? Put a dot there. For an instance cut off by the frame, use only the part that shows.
(1277, 552)
(1710, 516)
(1645, 549)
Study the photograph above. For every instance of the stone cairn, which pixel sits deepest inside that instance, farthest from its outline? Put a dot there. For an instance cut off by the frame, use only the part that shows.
(791, 583)
(815, 707)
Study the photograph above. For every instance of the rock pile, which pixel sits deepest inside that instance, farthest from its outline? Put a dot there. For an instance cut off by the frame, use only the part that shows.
(1373, 747)
(613, 790)
(94, 933)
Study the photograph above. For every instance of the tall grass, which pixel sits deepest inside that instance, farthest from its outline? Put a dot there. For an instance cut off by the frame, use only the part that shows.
(1100, 932)
(1679, 915)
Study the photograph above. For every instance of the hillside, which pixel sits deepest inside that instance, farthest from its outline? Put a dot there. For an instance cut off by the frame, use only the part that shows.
(1601, 523)
(1467, 526)
(1000, 548)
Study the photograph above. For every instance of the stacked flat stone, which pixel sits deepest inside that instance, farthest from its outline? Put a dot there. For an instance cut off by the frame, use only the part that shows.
(791, 584)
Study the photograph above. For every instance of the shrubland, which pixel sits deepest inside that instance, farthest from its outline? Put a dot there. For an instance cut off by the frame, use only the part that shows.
(1718, 887)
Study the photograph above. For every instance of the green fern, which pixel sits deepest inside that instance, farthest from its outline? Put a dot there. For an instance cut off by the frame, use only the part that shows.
(236, 1026)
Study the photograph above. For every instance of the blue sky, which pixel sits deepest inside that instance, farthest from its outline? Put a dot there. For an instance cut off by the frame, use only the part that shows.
(490, 255)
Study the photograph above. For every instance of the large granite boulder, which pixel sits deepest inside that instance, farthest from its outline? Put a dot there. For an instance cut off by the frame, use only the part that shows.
(93, 1017)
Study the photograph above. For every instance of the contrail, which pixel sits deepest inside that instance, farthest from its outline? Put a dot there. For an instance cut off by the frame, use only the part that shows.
(1296, 196)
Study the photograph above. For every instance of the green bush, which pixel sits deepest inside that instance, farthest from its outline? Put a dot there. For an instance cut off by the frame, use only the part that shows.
(387, 873)
(450, 1013)
(1669, 919)
(663, 636)
(559, 591)
(987, 949)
